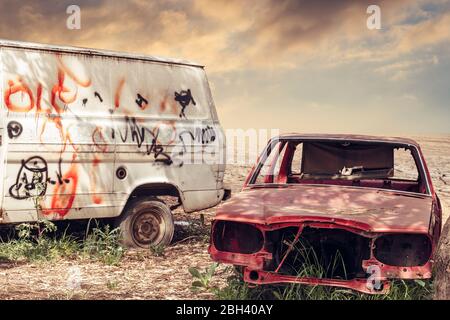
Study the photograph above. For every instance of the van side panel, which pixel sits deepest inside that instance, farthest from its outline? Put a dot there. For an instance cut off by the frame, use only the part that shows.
(83, 132)
(2, 140)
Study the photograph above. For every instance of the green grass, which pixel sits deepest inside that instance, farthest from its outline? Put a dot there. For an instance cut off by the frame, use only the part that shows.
(41, 241)
(311, 266)
(236, 289)
(103, 244)
(400, 290)
(158, 250)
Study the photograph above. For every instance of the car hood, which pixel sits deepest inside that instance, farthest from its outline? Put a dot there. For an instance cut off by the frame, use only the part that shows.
(372, 210)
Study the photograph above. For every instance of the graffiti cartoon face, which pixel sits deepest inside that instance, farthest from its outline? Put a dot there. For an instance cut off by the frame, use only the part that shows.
(31, 179)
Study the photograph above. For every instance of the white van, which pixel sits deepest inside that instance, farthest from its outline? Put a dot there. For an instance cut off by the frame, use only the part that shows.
(98, 134)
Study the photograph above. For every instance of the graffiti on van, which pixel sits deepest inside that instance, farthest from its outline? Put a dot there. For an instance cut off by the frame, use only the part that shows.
(19, 87)
(143, 136)
(63, 193)
(184, 98)
(14, 129)
(118, 93)
(204, 135)
(141, 101)
(98, 96)
(32, 178)
(32, 174)
(54, 108)
(99, 140)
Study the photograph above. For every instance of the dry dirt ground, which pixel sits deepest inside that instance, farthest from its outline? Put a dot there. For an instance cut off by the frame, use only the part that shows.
(141, 275)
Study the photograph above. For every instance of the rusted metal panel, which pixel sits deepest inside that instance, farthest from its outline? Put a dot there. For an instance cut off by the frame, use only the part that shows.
(84, 128)
(373, 224)
(377, 210)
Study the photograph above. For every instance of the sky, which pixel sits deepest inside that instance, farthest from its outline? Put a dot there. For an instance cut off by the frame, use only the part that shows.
(293, 65)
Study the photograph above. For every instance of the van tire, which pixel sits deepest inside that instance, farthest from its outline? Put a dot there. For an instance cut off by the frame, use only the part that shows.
(146, 222)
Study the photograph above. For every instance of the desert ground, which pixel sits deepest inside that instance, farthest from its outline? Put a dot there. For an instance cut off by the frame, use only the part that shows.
(142, 275)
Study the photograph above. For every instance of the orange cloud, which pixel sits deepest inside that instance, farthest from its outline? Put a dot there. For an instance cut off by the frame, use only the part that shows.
(232, 35)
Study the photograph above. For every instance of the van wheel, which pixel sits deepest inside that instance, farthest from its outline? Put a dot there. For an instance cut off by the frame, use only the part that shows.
(146, 222)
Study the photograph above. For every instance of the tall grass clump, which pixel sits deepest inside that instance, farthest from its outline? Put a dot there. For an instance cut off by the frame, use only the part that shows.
(37, 242)
(41, 241)
(104, 244)
(312, 266)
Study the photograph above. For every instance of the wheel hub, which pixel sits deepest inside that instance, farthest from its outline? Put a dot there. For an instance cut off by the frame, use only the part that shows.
(147, 228)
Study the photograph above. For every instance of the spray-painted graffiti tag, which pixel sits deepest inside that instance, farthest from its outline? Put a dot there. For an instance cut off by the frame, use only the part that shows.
(14, 129)
(143, 136)
(201, 135)
(90, 126)
(184, 98)
(31, 176)
(141, 102)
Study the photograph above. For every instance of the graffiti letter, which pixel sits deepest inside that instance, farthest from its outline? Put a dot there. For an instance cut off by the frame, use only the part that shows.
(14, 129)
(184, 98)
(141, 101)
(12, 91)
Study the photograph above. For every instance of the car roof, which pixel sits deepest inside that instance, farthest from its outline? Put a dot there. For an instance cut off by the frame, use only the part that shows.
(350, 137)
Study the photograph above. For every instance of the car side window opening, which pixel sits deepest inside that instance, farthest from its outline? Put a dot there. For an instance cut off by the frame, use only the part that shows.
(404, 165)
(296, 163)
(271, 164)
(364, 164)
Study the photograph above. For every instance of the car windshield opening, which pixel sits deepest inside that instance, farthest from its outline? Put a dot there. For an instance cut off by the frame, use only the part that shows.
(354, 163)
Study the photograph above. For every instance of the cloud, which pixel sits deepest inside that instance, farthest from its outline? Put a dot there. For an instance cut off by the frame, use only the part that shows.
(425, 34)
(316, 59)
(401, 69)
(232, 35)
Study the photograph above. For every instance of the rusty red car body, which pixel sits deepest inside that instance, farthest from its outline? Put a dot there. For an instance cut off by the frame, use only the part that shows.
(370, 219)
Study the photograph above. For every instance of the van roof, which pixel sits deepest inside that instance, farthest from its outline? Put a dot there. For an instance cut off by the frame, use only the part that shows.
(93, 52)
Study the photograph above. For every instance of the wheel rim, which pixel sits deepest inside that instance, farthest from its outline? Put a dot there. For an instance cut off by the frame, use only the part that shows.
(148, 228)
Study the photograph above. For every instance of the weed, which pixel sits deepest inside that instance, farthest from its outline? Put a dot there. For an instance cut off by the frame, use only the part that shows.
(104, 245)
(112, 284)
(202, 280)
(235, 289)
(312, 266)
(69, 294)
(39, 187)
(33, 243)
(38, 242)
(158, 250)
